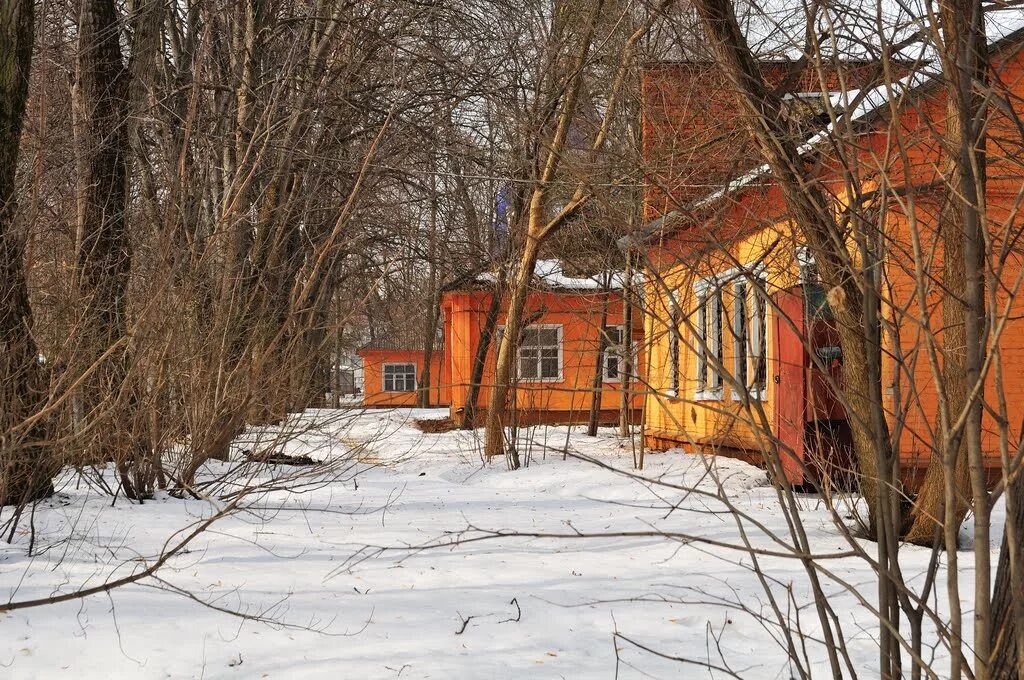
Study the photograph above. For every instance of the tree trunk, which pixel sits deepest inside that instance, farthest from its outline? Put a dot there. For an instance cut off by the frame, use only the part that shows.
(480, 359)
(537, 231)
(494, 437)
(626, 374)
(433, 302)
(963, 132)
(602, 345)
(104, 258)
(814, 216)
(25, 472)
(1008, 594)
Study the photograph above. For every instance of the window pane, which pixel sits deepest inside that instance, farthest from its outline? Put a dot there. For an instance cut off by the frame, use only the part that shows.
(529, 353)
(549, 353)
(740, 333)
(389, 382)
(529, 337)
(673, 345)
(527, 367)
(549, 367)
(716, 339)
(611, 367)
(548, 336)
(702, 333)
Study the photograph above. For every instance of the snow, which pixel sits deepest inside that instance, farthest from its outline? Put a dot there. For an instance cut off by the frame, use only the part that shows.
(336, 572)
(1000, 24)
(551, 273)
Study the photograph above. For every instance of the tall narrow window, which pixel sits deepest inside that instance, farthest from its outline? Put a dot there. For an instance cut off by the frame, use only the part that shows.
(758, 340)
(709, 335)
(673, 346)
(702, 341)
(615, 352)
(739, 332)
(716, 337)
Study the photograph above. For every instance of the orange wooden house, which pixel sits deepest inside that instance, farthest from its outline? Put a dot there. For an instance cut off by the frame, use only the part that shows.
(720, 255)
(393, 370)
(558, 350)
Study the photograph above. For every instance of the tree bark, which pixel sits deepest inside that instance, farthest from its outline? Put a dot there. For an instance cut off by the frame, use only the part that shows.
(959, 214)
(480, 359)
(626, 375)
(1008, 594)
(537, 231)
(104, 256)
(810, 210)
(602, 346)
(25, 471)
(433, 302)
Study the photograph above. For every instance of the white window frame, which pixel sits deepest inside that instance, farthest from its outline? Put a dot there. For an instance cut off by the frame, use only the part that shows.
(708, 293)
(806, 264)
(405, 377)
(752, 282)
(674, 345)
(741, 318)
(759, 309)
(519, 348)
(618, 351)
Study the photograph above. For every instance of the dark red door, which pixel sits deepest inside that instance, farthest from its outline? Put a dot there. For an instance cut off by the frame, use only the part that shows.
(790, 386)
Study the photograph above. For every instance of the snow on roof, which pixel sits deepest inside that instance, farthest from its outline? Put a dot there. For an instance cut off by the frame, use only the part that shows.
(854, 29)
(551, 274)
(1001, 24)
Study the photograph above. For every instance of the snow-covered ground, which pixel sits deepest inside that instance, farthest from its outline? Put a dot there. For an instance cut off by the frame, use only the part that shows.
(335, 606)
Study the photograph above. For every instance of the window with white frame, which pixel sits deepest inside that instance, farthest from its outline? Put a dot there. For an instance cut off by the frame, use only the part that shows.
(675, 319)
(617, 349)
(709, 332)
(759, 338)
(750, 332)
(740, 334)
(399, 377)
(540, 353)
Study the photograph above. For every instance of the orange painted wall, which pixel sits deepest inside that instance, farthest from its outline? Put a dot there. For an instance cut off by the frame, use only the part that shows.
(919, 129)
(566, 399)
(373, 377)
(756, 214)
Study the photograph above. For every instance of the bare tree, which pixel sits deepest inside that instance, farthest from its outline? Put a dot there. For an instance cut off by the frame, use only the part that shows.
(24, 466)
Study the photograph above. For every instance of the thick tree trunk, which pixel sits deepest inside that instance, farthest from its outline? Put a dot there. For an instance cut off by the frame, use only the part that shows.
(104, 258)
(814, 216)
(537, 231)
(494, 442)
(433, 317)
(480, 359)
(25, 470)
(964, 131)
(1008, 594)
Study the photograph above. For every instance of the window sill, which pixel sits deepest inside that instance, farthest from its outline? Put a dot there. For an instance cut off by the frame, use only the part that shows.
(755, 395)
(540, 380)
(708, 395)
